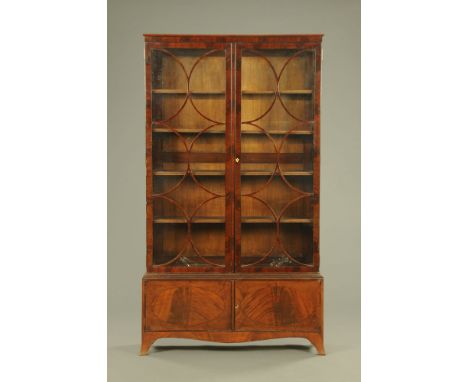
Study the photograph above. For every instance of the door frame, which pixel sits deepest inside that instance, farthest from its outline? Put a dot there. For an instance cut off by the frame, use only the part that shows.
(274, 44)
(228, 179)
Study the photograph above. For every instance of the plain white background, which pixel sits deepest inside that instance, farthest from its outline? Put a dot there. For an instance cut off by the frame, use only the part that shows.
(53, 206)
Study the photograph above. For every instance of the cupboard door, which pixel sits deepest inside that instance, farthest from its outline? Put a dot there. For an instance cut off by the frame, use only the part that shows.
(277, 134)
(284, 305)
(189, 170)
(187, 305)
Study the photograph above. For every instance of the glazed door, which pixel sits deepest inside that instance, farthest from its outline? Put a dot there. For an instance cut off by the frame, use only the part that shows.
(189, 157)
(277, 140)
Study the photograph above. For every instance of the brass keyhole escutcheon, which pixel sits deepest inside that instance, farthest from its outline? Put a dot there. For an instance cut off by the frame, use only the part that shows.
(237, 160)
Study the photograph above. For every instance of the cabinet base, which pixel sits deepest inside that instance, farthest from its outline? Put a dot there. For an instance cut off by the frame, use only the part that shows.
(229, 337)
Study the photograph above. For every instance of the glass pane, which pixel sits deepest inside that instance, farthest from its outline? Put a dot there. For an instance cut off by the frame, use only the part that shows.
(189, 156)
(277, 158)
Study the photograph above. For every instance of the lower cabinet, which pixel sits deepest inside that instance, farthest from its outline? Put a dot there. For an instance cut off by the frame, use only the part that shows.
(236, 309)
(233, 305)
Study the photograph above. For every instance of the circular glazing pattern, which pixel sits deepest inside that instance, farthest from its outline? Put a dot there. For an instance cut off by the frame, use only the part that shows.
(260, 245)
(294, 210)
(251, 144)
(207, 86)
(205, 142)
(291, 143)
(202, 95)
(204, 210)
(259, 84)
(170, 85)
(296, 92)
(178, 247)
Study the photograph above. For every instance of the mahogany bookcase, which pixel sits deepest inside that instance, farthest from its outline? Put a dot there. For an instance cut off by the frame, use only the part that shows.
(232, 180)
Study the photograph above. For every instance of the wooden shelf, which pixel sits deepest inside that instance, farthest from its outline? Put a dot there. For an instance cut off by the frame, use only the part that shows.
(222, 173)
(184, 91)
(268, 173)
(281, 92)
(298, 173)
(188, 131)
(296, 220)
(182, 173)
(279, 128)
(222, 131)
(278, 132)
(201, 219)
(220, 219)
(263, 219)
(222, 92)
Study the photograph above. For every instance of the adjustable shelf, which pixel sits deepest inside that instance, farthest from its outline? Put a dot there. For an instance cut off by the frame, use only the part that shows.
(281, 92)
(182, 173)
(278, 132)
(265, 219)
(222, 92)
(185, 91)
(222, 173)
(188, 131)
(222, 131)
(201, 219)
(220, 219)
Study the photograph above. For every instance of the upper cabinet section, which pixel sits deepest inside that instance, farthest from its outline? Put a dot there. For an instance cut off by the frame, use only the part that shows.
(232, 153)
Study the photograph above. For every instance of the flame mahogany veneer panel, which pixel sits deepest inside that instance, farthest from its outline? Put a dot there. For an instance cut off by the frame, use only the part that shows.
(279, 305)
(187, 305)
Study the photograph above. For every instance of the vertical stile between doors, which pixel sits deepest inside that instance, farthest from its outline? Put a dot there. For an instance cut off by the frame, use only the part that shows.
(229, 176)
(237, 154)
